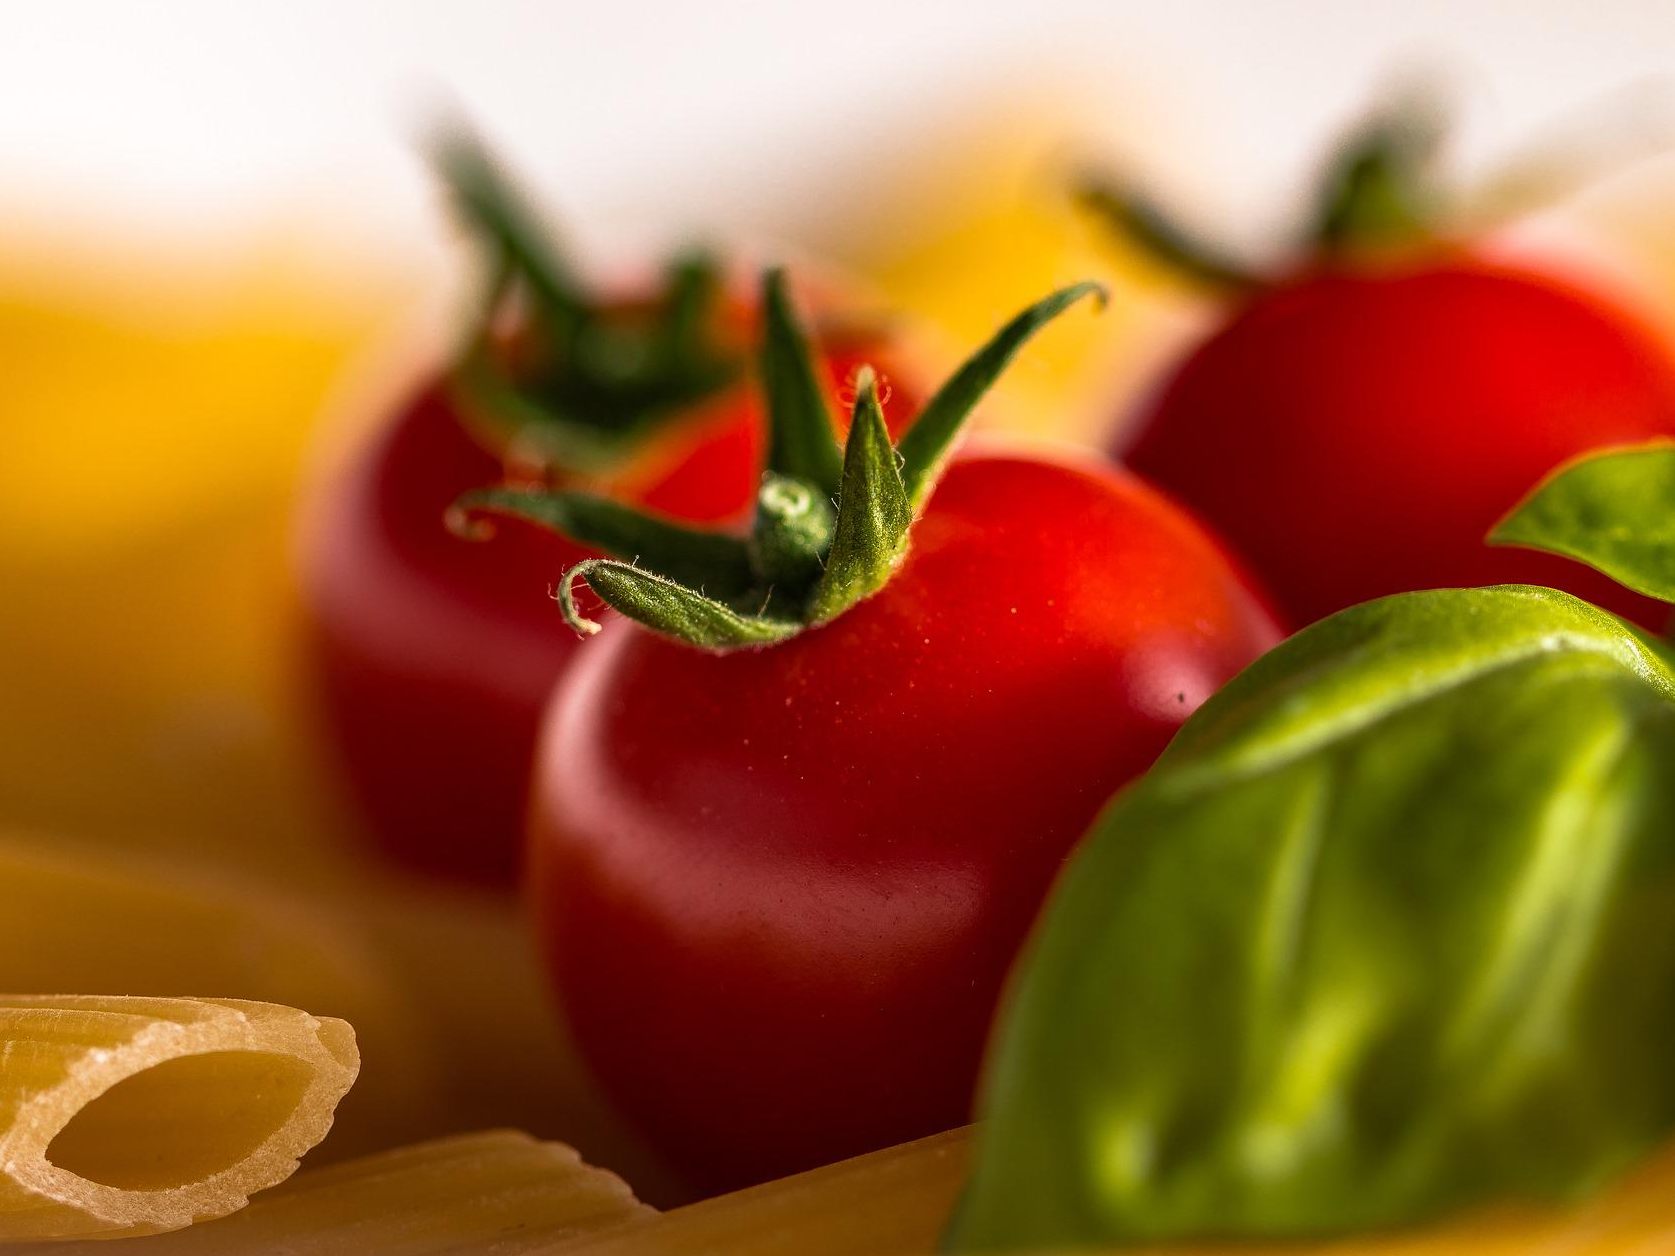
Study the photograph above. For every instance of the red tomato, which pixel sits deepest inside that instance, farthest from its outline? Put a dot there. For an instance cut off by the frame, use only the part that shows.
(433, 655)
(1357, 433)
(779, 887)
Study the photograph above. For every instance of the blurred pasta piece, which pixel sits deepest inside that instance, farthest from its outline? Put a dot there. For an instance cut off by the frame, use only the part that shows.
(122, 1116)
(498, 1193)
(1634, 1217)
(455, 1019)
(154, 377)
(150, 702)
(74, 919)
(893, 1202)
(160, 391)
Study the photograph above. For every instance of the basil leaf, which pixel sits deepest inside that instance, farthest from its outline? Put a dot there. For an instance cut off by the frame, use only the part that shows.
(1614, 511)
(1389, 930)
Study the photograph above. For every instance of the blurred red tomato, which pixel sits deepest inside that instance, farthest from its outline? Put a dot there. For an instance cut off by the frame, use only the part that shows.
(434, 655)
(1356, 432)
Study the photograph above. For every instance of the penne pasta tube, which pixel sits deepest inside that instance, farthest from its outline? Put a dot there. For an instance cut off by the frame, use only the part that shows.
(498, 1193)
(890, 1203)
(131, 1115)
(445, 1049)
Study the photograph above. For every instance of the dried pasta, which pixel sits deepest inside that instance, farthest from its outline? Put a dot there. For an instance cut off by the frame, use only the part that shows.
(132, 1115)
(889, 1203)
(498, 1193)
(445, 1049)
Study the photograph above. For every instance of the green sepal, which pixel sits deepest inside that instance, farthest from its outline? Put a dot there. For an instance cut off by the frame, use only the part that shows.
(801, 443)
(1388, 930)
(1378, 188)
(511, 420)
(667, 608)
(925, 446)
(495, 209)
(712, 561)
(1162, 237)
(1613, 510)
(873, 512)
(624, 377)
(603, 376)
(691, 291)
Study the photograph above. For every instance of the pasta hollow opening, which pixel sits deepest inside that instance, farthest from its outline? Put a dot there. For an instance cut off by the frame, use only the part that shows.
(182, 1120)
(123, 1115)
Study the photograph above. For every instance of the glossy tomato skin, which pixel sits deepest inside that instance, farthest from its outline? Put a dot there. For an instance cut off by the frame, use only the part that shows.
(432, 656)
(1355, 434)
(779, 889)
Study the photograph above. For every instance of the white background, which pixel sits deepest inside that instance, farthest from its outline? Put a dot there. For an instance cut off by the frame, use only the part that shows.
(723, 111)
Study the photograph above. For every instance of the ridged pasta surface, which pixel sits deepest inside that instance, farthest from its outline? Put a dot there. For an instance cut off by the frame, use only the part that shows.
(497, 1193)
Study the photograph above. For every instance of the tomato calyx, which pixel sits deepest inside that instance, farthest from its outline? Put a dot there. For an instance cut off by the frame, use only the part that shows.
(1380, 190)
(1378, 194)
(580, 380)
(832, 521)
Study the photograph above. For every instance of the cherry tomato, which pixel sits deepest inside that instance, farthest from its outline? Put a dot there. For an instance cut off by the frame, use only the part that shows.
(1356, 432)
(432, 656)
(779, 887)
(1358, 424)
